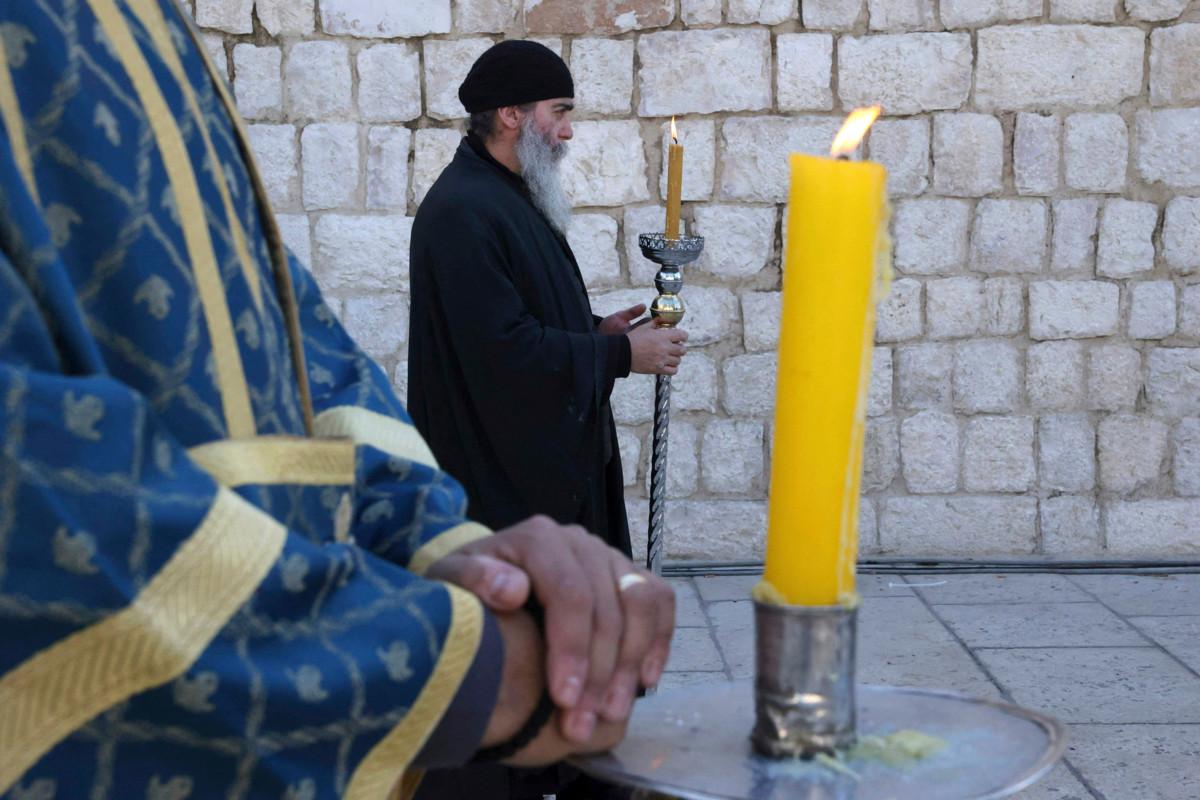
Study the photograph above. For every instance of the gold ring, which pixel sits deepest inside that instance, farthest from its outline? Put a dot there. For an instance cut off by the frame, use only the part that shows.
(629, 579)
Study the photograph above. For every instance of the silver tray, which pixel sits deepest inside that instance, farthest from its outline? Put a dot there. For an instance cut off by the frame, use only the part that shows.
(693, 743)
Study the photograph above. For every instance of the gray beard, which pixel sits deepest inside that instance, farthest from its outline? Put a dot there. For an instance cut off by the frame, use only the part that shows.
(539, 167)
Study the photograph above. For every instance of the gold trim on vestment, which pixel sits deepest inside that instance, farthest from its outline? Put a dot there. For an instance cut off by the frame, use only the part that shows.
(231, 378)
(152, 641)
(279, 258)
(409, 783)
(150, 15)
(445, 543)
(383, 768)
(14, 124)
(273, 460)
(392, 436)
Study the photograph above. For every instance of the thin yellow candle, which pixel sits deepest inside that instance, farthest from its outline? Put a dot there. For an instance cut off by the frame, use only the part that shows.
(674, 183)
(836, 217)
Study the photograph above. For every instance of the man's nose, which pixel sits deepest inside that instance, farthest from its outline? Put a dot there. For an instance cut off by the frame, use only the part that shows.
(565, 132)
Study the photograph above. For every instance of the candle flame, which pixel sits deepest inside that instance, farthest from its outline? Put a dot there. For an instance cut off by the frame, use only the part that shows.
(853, 130)
(674, 132)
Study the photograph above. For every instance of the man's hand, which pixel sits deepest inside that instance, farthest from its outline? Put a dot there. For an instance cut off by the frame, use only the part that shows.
(601, 641)
(523, 677)
(622, 321)
(656, 350)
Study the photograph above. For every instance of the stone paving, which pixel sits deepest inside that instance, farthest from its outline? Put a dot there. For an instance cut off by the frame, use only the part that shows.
(1116, 657)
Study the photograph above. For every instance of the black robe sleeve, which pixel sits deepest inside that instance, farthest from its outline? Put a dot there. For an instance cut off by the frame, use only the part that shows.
(620, 361)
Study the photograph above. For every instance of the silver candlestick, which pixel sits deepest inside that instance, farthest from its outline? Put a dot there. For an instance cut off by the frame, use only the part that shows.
(670, 255)
(804, 700)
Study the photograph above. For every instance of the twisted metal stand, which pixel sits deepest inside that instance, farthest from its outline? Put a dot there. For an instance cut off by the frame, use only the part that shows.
(670, 255)
(658, 473)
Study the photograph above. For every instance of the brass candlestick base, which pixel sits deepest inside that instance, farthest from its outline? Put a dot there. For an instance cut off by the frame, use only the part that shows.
(804, 679)
(670, 255)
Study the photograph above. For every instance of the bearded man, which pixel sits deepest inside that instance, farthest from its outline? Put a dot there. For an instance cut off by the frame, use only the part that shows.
(509, 371)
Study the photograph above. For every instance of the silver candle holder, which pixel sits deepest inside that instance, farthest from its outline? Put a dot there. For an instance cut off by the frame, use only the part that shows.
(804, 701)
(667, 308)
(690, 742)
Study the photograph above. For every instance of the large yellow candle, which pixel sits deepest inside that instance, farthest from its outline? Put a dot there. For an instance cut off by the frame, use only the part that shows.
(674, 184)
(834, 223)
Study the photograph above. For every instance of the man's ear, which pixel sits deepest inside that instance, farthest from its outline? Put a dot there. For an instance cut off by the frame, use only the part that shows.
(509, 117)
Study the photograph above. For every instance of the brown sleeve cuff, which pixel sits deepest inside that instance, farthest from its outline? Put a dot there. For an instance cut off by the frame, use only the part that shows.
(457, 736)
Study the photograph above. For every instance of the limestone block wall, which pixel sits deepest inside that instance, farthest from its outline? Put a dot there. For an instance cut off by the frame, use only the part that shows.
(1037, 372)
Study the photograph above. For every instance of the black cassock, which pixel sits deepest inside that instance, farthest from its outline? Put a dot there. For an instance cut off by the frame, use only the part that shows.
(508, 378)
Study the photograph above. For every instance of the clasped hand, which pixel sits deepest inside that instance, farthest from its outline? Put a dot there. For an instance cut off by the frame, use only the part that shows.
(601, 642)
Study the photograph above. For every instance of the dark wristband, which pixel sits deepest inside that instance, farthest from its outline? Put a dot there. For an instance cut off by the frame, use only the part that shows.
(528, 732)
(537, 720)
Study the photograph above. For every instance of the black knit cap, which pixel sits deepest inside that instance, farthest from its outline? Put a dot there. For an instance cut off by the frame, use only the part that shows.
(513, 73)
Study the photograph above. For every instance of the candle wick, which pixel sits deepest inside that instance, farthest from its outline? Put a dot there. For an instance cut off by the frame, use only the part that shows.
(843, 157)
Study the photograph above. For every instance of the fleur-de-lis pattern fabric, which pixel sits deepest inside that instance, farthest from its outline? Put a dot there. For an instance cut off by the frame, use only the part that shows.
(163, 634)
